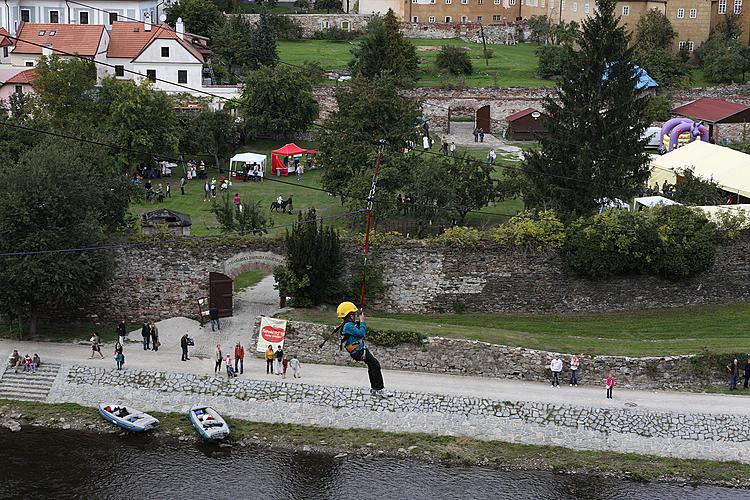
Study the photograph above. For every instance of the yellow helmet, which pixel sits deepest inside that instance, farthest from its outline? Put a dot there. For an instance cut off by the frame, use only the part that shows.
(343, 310)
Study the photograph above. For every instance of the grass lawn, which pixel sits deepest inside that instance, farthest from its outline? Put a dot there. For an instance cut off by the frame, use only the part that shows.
(645, 333)
(509, 66)
(248, 279)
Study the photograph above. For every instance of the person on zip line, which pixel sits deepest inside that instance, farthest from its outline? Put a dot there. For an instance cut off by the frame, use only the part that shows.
(353, 340)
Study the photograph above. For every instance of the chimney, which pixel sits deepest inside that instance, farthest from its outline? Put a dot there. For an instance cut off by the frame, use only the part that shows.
(47, 50)
(147, 21)
(179, 28)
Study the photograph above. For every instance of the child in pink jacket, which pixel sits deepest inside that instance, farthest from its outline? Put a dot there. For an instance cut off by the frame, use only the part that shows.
(609, 384)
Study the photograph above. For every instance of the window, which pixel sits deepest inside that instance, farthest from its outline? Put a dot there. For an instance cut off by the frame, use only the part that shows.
(626, 10)
(479, 19)
(722, 7)
(83, 18)
(181, 76)
(464, 19)
(431, 19)
(693, 13)
(681, 45)
(5, 51)
(324, 25)
(26, 15)
(497, 17)
(414, 19)
(737, 6)
(575, 6)
(448, 19)
(511, 2)
(112, 17)
(586, 8)
(119, 70)
(497, 2)
(54, 17)
(562, 4)
(690, 45)
(480, 2)
(680, 13)
(464, 2)
(542, 3)
(413, 1)
(19, 89)
(28, 64)
(345, 26)
(151, 74)
(165, 51)
(448, 2)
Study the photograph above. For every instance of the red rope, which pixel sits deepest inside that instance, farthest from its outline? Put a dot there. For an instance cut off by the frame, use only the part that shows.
(370, 200)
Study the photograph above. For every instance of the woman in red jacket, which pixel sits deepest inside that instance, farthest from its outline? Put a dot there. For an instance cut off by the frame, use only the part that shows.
(239, 357)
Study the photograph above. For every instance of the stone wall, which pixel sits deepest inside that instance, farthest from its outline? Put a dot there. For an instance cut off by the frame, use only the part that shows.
(312, 23)
(471, 357)
(681, 433)
(501, 32)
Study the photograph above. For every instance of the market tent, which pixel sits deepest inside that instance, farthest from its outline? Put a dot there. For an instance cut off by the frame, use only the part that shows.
(238, 161)
(291, 149)
(652, 201)
(713, 211)
(726, 166)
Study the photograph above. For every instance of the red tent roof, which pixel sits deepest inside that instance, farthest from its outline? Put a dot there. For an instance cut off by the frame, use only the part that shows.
(521, 114)
(292, 149)
(715, 111)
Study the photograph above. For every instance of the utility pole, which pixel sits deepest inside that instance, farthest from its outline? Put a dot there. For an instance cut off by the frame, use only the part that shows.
(484, 44)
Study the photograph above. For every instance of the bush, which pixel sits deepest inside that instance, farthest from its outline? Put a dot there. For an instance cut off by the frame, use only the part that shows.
(686, 242)
(393, 338)
(692, 190)
(336, 34)
(383, 239)
(551, 59)
(285, 27)
(454, 60)
(461, 236)
(731, 223)
(532, 231)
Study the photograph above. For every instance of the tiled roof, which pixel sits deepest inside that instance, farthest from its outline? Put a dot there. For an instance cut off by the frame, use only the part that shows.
(520, 114)
(715, 111)
(24, 77)
(81, 39)
(129, 39)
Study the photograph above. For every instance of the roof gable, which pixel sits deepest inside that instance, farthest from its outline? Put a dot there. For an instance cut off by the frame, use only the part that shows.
(23, 77)
(81, 39)
(521, 114)
(129, 40)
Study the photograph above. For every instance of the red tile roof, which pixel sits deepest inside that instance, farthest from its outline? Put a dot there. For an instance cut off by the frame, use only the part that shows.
(5, 38)
(24, 77)
(129, 39)
(520, 114)
(81, 39)
(715, 111)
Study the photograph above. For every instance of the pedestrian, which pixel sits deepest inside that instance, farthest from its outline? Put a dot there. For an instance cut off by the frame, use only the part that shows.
(353, 340)
(453, 149)
(747, 372)
(734, 373)
(239, 357)
(284, 365)
(230, 369)
(96, 345)
(444, 148)
(146, 334)
(481, 135)
(218, 358)
(491, 157)
(294, 363)
(119, 357)
(154, 336)
(183, 182)
(574, 364)
(169, 189)
(121, 327)
(184, 342)
(609, 384)
(556, 367)
(213, 313)
(476, 134)
(206, 190)
(269, 360)
(236, 201)
(278, 356)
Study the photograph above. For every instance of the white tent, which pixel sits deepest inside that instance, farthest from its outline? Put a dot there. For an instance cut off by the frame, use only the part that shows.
(236, 164)
(652, 201)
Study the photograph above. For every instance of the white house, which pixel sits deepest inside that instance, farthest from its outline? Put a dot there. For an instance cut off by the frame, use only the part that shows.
(13, 13)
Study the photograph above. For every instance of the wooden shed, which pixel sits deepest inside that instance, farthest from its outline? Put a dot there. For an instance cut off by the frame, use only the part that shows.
(526, 125)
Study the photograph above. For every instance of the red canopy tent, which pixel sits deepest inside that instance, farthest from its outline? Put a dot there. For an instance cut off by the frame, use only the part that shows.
(277, 166)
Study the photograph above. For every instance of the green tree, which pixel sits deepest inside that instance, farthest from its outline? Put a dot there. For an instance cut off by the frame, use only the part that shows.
(250, 218)
(667, 69)
(277, 101)
(328, 5)
(65, 92)
(692, 190)
(541, 28)
(471, 185)
(201, 17)
(550, 60)
(43, 206)
(654, 40)
(654, 32)
(383, 49)
(263, 44)
(212, 132)
(454, 60)
(594, 148)
(725, 59)
(232, 45)
(565, 33)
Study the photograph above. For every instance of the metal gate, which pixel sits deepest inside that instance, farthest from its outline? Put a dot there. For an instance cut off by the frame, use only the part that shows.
(220, 293)
(483, 119)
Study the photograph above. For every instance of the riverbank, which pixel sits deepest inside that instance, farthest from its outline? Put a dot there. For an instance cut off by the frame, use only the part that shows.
(364, 442)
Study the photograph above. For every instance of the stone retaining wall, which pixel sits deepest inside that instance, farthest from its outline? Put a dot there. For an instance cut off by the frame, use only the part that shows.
(686, 435)
(471, 357)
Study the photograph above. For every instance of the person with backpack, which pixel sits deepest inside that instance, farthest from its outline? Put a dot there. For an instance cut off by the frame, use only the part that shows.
(353, 340)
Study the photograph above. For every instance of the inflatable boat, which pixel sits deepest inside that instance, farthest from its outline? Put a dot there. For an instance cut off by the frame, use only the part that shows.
(208, 423)
(127, 418)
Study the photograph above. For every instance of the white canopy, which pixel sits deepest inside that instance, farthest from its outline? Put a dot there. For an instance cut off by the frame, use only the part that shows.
(726, 166)
(240, 159)
(652, 201)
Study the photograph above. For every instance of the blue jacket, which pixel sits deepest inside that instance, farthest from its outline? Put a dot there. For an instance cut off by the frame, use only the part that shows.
(353, 334)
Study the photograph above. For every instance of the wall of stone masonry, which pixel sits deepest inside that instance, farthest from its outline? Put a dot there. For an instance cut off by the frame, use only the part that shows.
(500, 32)
(312, 23)
(680, 433)
(470, 357)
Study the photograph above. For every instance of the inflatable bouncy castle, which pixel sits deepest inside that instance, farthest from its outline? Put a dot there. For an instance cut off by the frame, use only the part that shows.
(680, 131)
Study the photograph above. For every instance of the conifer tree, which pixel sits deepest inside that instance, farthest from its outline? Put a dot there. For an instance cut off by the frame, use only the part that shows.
(596, 116)
(263, 44)
(384, 49)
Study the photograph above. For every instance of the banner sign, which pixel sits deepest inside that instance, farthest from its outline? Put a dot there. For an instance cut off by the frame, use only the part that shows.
(272, 332)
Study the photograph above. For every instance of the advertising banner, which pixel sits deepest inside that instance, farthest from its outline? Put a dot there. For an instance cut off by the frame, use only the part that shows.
(272, 332)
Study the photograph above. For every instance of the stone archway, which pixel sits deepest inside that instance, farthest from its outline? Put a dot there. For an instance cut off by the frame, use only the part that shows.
(247, 261)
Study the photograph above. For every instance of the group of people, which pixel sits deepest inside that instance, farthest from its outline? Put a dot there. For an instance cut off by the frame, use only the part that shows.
(448, 149)
(734, 373)
(195, 172)
(556, 368)
(150, 335)
(478, 134)
(158, 193)
(253, 172)
(24, 363)
(277, 363)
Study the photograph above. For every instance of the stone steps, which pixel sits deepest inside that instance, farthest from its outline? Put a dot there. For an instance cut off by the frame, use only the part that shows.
(28, 386)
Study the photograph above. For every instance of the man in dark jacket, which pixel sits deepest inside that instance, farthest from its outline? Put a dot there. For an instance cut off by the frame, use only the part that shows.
(121, 332)
(146, 334)
(213, 313)
(184, 346)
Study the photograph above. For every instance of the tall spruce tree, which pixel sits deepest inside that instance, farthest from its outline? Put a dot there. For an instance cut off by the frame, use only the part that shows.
(596, 116)
(263, 44)
(383, 49)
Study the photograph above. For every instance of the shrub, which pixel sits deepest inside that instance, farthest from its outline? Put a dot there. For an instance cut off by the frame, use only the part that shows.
(731, 223)
(383, 239)
(532, 231)
(551, 59)
(692, 190)
(393, 338)
(285, 27)
(461, 236)
(454, 60)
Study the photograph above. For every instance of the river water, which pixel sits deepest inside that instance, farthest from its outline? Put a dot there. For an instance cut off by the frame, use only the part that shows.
(38, 463)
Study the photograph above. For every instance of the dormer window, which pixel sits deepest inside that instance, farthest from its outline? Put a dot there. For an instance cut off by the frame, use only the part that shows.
(52, 33)
(42, 32)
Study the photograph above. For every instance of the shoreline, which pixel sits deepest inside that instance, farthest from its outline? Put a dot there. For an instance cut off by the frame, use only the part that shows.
(423, 447)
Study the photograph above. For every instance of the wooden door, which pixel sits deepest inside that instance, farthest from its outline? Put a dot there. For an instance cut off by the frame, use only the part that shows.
(220, 293)
(483, 119)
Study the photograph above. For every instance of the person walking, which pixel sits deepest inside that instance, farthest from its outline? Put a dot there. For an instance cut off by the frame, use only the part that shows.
(183, 183)
(154, 336)
(146, 334)
(119, 356)
(453, 149)
(556, 367)
(481, 135)
(239, 357)
(476, 134)
(491, 157)
(747, 372)
(121, 332)
(609, 384)
(96, 345)
(213, 314)
(236, 201)
(278, 356)
(294, 364)
(574, 364)
(353, 339)
(184, 346)
(269, 360)
(284, 366)
(218, 358)
(206, 190)
(734, 373)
